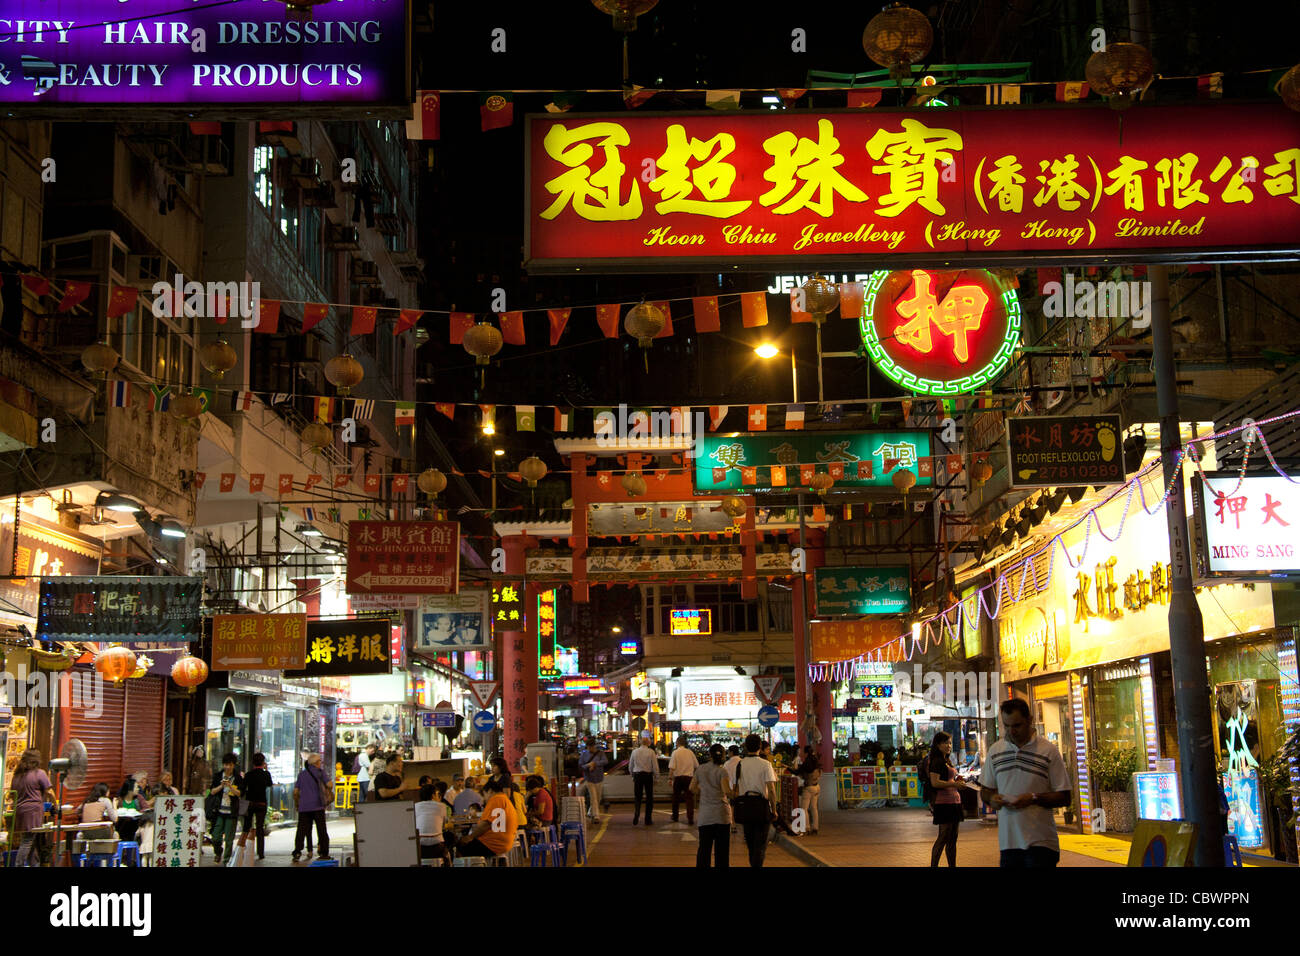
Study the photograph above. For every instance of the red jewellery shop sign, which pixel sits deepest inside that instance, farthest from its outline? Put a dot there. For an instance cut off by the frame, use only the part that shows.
(403, 557)
(693, 190)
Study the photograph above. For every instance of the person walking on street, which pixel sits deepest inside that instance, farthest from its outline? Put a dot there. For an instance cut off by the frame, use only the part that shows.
(311, 795)
(643, 765)
(32, 790)
(715, 811)
(681, 769)
(754, 785)
(257, 791)
(227, 787)
(363, 771)
(1024, 779)
(593, 779)
(810, 775)
(946, 788)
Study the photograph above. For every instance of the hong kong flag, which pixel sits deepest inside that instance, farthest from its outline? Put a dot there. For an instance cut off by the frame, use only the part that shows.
(836, 470)
(749, 476)
(256, 482)
(312, 482)
(286, 484)
(341, 479)
(864, 469)
(121, 300)
(373, 484)
(806, 473)
(719, 475)
(227, 482)
(401, 483)
(74, 293)
(199, 478)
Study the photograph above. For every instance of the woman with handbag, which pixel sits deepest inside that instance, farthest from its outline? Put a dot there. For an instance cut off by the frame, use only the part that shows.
(753, 794)
(312, 793)
(946, 788)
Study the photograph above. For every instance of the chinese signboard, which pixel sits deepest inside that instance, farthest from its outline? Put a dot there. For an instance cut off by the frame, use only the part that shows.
(124, 609)
(454, 622)
(725, 699)
(339, 648)
(972, 622)
(864, 591)
(839, 640)
(260, 642)
(931, 185)
(351, 715)
(762, 462)
(691, 621)
(44, 550)
(547, 604)
(940, 333)
(178, 831)
(508, 606)
(403, 557)
(156, 53)
(1251, 525)
(1046, 452)
(574, 685)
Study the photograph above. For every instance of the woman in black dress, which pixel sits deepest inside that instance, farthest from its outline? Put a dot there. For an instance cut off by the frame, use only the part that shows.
(948, 812)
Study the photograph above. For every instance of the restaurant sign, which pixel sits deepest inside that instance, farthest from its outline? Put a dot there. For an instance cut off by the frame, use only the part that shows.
(112, 608)
(681, 191)
(348, 647)
(156, 53)
(1049, 452)
(734, 463)
(864, 591)
(45, 550)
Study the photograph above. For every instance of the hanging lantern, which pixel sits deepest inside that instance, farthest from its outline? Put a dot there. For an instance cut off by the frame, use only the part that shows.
(188, 407)
(344, 372)
(115, 663)
(904, 481)
(142, 665)
(533, 470)
(317, 435)
(822, 482)
(820, 296)
(99, 358)
(896, 38)
(633, 484)
(981, 472)
(431, 482)
(1289, 88)
(482, 340)
(643, 322)
(734, 507)
(1120, 73)
(189, 672)
(624, 12)
(218, 357)
(301, 9)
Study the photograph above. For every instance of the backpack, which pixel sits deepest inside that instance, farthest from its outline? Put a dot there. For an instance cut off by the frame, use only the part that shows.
(927, 790)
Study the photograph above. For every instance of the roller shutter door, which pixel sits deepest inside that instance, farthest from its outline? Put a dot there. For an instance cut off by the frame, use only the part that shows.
(102, 735)
(142, 744)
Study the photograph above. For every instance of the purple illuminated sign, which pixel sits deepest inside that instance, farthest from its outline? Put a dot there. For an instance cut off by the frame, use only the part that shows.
(186, 53)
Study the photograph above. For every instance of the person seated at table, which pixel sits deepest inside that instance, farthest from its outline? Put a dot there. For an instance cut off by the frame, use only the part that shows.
(98, 807)
(467, 797)
(494, 834)
(541, 805)
(388, 785)
(130, 806)
(424, 781)
(164, 787)
(457, 785)
(430, 819)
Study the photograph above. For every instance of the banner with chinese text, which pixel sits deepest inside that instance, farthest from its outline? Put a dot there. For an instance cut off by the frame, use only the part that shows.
(746, 462)
(403, 557)
(344, 648)
(864, 590)
(260, 642)
(110, 608)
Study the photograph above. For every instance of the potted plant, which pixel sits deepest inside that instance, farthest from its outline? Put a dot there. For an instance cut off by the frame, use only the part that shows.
(1112, 774)
(1275, 779)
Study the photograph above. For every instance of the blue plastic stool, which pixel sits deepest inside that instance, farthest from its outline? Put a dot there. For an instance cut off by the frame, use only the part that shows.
(1231, 851)
(538, 852)
(559, 854)
(102, 859)
(131, 847)
(327, 862)
(7, 858)
(572, 832)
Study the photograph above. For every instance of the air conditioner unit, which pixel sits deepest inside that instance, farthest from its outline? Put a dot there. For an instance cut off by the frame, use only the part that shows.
(322, 196)
(342, 237)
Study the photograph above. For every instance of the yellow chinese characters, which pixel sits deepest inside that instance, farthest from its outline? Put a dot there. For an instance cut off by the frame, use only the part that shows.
(1284, 175)
(1126, 176)
(1236, 190)
(1008, 184)
(960, 313)
(1062, 185)
(713, 178)
(1176, 179)
(593, 194)
(911, 158)
(797, 158)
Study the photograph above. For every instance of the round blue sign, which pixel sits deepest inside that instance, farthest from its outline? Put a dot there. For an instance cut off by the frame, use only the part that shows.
(768, 716)
(485, 721)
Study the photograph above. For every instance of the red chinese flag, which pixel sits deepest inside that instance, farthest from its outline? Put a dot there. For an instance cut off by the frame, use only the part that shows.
(447, 408)
(748, 475)
(363, 319)
(342, 479)
(664, 307)
(286, 484)
(607, 319)
(836, 470)
(512, 328)
(313, 314)
(706, 313)
(806, 473)
(753, 309)
(256, 482)
(865, 469)
(199, 478)
(852, 298)
(558, 319)
(401, 483)
(460, 324)
(373, 484)
(74, 293)
(268, 316)
(312, 482)
(121, 300)
(227, 482)
(407, 319)
(36, 285)
(795, 314)
(859, 99)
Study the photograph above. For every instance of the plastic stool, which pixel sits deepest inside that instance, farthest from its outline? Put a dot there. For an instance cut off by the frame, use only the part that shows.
(131, 847)
(559, 854)
(573, 832)
(329, 861)
(1231, 851)
(8, 857)
(538, 853)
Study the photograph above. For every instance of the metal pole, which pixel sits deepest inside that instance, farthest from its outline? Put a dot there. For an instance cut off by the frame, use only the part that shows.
(1197, 760)
(794, 380)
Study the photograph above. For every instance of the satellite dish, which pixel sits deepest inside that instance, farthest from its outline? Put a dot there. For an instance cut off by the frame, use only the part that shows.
(71, 763)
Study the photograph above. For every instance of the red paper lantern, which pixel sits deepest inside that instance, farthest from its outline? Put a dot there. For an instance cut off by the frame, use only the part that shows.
(189, 672)
(115, 663)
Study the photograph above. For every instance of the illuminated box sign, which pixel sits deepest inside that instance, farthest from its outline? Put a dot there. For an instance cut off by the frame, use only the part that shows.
(350, 647)
(508, 606)
(580, 684)
(932, 185)
(403, 557)
(547, 603)
(68, 53)
(1158, 795)
(127, 609)
(838, 640)
(352, 715)
(1053, 451)
(1251, 525)
(738, 463)
(259, 642)
(864, 590)
(691, 621)
(629, 648)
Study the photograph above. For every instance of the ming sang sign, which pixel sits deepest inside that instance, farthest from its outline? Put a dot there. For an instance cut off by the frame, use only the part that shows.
(693, 190)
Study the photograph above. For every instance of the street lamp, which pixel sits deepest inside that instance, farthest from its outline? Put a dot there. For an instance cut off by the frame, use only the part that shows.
(766, 351)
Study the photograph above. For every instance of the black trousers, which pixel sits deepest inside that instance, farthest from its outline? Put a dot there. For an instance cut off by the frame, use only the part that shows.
(257, 815)
(1033, 858)
(643, 784)
(682, 791)
(756, 840)
(715, 837)
(305, 820)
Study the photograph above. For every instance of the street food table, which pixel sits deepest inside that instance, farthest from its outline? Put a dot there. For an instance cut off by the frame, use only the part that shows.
(70, 831)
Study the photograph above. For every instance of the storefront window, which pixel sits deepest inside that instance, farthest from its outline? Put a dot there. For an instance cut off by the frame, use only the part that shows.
(277, 738)
(1117, 708)
(1245, 681)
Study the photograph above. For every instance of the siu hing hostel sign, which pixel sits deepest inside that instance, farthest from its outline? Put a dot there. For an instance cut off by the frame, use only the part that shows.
(932, 185)
(115, 53)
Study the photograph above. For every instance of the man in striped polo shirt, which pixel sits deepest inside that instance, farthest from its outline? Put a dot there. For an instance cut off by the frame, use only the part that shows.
(1024, 778)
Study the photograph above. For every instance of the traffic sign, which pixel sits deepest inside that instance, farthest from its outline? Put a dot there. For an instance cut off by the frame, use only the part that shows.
(484, 691)
(440, 718)
(485, 721)
(768, 716)
(638, 707)
(638, 723)
(768, 688)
